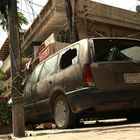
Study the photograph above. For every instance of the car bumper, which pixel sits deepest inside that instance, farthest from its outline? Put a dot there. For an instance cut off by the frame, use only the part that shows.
(87, 98)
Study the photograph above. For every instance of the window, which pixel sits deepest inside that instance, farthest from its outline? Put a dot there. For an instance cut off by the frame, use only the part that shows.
(49, 67)
(132, 53)
(35, 74)
(27, 86)
(116, 49)
(32, 78)
(69, 57)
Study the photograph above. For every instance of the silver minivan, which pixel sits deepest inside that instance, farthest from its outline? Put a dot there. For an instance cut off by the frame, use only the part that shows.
(96, 78)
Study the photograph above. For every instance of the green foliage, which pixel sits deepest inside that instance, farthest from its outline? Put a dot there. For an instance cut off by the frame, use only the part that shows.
(3, 22)
(1, 89)
(2, 74)
(21, 19)
(5, 108)
(5, 111)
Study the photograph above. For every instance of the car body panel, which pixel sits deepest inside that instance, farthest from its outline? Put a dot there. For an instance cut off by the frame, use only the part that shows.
(90, 98)
(110, 76)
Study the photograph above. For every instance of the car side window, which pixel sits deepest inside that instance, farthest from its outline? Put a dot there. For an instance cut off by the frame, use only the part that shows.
(49, 67)
(27, 85)
(33, 78)
(69, 57)
(35, 74)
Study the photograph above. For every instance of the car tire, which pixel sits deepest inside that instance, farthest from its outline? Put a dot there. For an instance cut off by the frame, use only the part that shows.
(63, 116)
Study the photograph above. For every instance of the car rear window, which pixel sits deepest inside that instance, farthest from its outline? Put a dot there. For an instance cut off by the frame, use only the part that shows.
(117, 49)
(132, 53)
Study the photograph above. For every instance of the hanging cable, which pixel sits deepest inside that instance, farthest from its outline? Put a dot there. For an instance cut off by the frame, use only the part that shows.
(41, 6)
(131, 35)
(31, 6)
(27, 7)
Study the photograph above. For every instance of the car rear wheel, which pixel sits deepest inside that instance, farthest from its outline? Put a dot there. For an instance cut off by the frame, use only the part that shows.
(63, 116)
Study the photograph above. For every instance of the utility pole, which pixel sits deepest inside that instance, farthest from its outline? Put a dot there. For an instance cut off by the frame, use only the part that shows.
(74, 18)
(71, 15)
(15, 55)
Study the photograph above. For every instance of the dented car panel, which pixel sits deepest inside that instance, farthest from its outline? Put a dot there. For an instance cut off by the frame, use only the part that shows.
(100, 101)
(100, 75)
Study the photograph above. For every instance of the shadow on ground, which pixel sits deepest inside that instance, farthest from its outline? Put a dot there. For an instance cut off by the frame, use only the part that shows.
(96, 126)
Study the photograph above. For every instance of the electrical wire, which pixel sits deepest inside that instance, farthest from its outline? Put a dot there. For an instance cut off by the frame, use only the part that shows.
(86, 15)
(32, 9)
(30, 15)
(131, 35)
(41, 6)
(27, 12)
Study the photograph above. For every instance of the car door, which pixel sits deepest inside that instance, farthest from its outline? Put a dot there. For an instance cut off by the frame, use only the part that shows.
(71, 68)
(44, 86)
(29, 98)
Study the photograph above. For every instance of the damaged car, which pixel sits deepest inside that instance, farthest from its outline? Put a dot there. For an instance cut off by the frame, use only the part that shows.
(92, 78)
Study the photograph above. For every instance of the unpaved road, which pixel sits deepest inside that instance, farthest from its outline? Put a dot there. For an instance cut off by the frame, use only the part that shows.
(101, 131)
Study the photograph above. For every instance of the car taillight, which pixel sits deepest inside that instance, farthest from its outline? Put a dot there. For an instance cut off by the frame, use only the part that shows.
(87, 75)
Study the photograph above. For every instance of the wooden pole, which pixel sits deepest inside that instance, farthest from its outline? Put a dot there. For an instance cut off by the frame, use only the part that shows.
(15, 55)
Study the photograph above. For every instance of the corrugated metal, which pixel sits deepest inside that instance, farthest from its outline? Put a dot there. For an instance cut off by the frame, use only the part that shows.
(4, 51)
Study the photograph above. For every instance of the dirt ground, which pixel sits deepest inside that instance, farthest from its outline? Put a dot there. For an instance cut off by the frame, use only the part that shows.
(106, 130)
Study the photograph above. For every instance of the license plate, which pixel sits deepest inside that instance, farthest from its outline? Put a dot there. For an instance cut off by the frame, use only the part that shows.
(131, 77)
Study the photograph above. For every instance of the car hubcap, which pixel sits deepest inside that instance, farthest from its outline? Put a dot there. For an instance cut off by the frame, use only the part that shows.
(60, 113)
